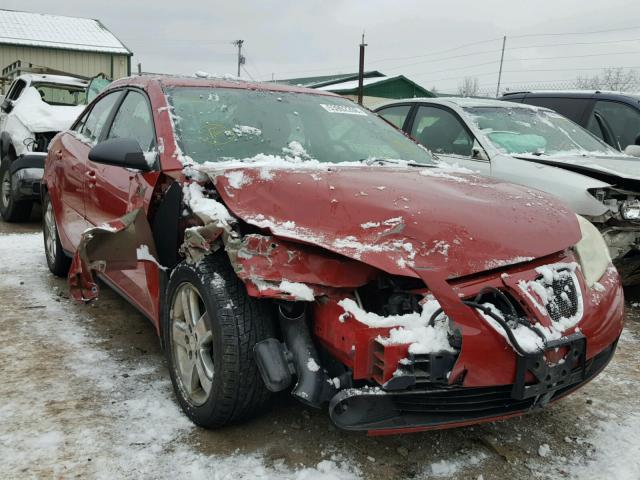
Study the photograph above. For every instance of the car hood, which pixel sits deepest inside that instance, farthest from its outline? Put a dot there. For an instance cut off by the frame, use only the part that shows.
(402, 219)
(613, 169)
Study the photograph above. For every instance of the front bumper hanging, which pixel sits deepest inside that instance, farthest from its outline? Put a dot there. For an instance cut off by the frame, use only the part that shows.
(387, 412)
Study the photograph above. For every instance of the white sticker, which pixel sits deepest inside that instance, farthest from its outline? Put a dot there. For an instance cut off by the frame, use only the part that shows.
(343, 109)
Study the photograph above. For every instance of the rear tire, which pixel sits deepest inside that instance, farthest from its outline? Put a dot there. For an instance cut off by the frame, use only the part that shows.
(57, 260)
(210, 327)
(10, 209)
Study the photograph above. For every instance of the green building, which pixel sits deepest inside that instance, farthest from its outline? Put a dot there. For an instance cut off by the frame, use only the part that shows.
(377, 87)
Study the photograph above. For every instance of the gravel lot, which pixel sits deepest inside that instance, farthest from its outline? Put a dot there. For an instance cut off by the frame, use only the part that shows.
(85, 393)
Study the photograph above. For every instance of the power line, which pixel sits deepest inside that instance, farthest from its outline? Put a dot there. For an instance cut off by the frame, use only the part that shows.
(573, 56)
(556, 34)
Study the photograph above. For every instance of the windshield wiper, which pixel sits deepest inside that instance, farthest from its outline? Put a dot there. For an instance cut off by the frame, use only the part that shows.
(392, 161)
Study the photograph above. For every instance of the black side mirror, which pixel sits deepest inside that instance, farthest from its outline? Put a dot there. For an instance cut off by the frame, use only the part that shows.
(6, 106)
(120, 152)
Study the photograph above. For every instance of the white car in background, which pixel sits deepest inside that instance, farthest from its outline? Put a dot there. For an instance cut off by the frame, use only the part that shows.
(35, 108)
(539, 148)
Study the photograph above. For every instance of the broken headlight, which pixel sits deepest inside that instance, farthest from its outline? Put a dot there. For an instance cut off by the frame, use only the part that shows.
(592, 252)
(630, 209)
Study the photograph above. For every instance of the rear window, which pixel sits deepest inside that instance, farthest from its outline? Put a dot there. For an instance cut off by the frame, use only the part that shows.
(572, 108)
(55, 94)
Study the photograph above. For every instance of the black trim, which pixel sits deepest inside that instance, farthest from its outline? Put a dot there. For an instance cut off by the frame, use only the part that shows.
(371, 409)
(29, 160)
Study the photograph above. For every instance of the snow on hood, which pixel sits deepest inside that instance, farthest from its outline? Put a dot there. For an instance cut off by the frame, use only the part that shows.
(400, 218)
(39, 116)
(623, 166)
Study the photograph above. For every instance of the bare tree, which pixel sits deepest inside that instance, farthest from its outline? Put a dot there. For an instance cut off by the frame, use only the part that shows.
(434, 90)
(617, 79)
(469, 87)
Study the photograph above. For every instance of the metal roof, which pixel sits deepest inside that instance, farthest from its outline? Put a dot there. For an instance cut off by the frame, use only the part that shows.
(55, 31)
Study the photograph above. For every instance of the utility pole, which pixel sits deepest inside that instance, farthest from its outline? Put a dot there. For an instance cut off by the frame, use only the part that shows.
(361, 71)
(241, 59)
(504, 42)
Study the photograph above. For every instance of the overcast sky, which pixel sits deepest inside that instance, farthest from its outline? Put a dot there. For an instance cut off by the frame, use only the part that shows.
(416, 38)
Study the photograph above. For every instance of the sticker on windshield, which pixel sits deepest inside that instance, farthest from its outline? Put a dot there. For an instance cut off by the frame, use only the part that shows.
(343, 109)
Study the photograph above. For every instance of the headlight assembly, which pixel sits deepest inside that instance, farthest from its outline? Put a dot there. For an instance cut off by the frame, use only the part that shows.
(592, 251)
(630, 210)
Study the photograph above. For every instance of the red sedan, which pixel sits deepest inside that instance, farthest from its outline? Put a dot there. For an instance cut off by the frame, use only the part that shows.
(280, 238)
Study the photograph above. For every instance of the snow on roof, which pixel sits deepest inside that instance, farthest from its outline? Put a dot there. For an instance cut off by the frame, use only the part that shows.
(55, 31)
(350, 85)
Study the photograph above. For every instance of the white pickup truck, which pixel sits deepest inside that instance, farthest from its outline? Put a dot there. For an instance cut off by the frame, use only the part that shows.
(35, 108)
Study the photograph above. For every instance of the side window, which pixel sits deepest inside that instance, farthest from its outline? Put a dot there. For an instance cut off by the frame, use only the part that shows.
(623, 120)
(572, 108)
(17, 90)
(441, 132)
(396, 115)
(80, 125)
(133, 120)
(98, 116)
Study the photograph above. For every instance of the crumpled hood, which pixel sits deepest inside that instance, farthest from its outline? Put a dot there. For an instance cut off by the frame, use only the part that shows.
(39, 116)
(606, 168)
(398, 219)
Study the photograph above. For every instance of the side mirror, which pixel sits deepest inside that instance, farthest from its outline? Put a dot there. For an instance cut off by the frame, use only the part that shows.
(633, 150)
(120, 152)
(477, 152)
(6, 106)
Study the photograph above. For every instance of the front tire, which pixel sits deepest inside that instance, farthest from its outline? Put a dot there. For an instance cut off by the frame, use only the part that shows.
(209, 329)
(11, 209)
(57, 260)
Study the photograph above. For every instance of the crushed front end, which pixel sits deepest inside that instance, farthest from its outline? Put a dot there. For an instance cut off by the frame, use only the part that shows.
(401, 354)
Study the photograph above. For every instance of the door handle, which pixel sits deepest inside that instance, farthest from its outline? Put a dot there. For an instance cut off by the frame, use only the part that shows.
(91, 178)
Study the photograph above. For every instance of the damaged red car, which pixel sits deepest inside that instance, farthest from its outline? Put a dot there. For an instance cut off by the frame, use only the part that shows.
(280, 238)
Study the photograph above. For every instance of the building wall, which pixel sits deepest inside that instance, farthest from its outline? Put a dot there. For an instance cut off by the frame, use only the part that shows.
(87, 64)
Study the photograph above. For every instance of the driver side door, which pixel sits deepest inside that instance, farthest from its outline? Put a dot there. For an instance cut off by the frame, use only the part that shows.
(111, 192)
(445, 134)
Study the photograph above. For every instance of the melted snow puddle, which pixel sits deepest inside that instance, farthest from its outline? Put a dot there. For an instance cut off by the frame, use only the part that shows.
(129, 428)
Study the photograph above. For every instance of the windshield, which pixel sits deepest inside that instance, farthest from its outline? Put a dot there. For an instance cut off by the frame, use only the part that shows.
(65, 95)
(515, 130)
(214, 124)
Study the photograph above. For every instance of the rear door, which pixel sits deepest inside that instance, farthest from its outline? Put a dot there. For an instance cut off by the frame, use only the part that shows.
(69, 156)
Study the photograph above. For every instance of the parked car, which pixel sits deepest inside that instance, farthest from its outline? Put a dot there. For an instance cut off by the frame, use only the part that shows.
(281, 238)
(611, 116)
(538, 148)
(36, 107)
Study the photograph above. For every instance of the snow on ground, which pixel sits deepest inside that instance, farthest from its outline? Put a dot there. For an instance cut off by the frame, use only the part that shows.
(76, 402)
(136, 430)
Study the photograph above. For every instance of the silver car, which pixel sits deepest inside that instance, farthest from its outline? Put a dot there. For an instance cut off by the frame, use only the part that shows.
(539, 148)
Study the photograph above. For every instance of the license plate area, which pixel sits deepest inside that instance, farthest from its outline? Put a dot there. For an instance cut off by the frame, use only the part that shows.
(551, 377)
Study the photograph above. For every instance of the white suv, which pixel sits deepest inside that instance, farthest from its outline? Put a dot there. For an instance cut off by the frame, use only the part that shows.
(35, 109)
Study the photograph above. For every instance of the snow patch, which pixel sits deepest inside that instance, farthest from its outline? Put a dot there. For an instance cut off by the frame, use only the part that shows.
(410, 328)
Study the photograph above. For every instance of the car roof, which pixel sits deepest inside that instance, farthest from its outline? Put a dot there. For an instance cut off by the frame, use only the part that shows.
(605, 94)
(211, 81)
(463, 102)
(58, 79)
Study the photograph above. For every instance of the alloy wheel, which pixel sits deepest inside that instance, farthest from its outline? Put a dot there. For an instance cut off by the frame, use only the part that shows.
(6, 189)
(192, 344)
(50, 233)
